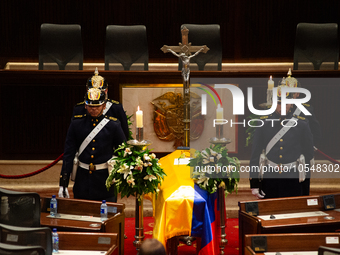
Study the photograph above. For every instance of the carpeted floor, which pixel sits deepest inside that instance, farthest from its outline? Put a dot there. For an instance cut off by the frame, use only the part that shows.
(231, 231)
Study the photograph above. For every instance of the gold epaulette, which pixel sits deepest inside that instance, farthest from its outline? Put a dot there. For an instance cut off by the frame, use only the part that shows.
(111, 118)
(81, 103)
(113, 101)
(264, 117)
(308, 105)
(79, 116)
(299, 117)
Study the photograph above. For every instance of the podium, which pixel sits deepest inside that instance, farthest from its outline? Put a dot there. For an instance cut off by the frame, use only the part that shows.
(78, 215)
(295, 243)
(306, 214)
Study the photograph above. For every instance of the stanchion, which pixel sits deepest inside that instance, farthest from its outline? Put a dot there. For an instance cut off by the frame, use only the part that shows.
(141, 145)
(139, 224)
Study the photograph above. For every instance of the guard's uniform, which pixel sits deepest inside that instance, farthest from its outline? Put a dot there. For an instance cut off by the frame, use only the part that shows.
(116, 110)
(91, 184)
(298, 140)
(316, 131)
(313, 122)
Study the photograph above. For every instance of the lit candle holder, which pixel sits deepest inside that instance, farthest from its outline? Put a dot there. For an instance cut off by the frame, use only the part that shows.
(139, 125)
(219, 117)
(139, 118)
(270, 91)
(270, 83)
(219, 113)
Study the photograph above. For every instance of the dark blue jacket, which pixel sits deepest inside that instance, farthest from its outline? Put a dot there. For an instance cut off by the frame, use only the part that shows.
(90, 185)
(116, 110)
(298, 140)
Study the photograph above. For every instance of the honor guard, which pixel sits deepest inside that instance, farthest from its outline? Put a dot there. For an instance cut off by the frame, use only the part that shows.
(113, 108)
(312, 120)
(281, 147)
(90, 142)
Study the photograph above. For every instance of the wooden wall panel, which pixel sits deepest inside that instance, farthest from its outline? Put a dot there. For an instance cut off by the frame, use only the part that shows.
(36, 106)
(251, 31)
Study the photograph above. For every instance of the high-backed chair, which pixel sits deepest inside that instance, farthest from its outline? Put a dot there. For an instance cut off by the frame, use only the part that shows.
(10, 249)
(316, 44)
(23, 236)
(60, 44)
(20, 208)
(208, 35)
(126, 45)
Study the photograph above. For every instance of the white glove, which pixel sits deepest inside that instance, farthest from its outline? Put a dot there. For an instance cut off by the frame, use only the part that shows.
(60, 194)
(256, 193)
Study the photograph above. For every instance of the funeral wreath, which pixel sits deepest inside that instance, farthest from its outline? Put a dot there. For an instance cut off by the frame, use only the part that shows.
(212, 168)
(134, 171)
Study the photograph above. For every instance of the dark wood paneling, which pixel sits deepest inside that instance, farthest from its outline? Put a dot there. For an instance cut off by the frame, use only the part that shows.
(254, 31)
(36, 106)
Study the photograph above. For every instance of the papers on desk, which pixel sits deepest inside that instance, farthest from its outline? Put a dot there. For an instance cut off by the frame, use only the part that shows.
(292, 253)
(71, 252)
(292, 215)
(76, 217)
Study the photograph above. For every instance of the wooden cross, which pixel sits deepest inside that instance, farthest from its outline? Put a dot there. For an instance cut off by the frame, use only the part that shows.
(185, 47)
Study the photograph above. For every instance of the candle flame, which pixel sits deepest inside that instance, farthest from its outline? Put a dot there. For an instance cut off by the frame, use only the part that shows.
(271, 77)
(138, 108)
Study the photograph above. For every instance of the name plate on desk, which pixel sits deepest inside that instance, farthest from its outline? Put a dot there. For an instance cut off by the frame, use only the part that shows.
(76, 217)
(292, 215)
(74, 252)
(292, 253)
(112, 209)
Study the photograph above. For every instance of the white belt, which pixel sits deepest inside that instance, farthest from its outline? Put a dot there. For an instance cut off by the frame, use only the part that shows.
(92, 167)
(273, 164)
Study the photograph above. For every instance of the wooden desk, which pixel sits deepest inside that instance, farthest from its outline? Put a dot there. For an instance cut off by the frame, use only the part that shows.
(108, 242)
(249, 224)
(294, 242)
(114, 224)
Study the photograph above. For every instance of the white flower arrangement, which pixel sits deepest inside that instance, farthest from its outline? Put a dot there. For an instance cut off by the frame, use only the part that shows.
(134, 172)
(216, 169)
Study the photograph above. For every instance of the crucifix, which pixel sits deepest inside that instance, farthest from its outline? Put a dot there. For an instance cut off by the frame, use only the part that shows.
(183, 51)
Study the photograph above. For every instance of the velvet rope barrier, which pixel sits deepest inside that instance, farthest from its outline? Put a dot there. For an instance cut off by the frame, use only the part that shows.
(33, 173)
(328, 157)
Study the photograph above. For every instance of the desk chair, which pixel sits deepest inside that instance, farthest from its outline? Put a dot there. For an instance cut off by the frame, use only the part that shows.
(205, 35)
(126, 45)
(316, 44)
(20, 208)
(323, 250)
(9, 249)
(60, 44)
(23, 237)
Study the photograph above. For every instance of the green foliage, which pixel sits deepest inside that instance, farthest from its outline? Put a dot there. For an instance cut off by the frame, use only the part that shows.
(251, 130)
(129, 125)
(134, 171)
(213, 168)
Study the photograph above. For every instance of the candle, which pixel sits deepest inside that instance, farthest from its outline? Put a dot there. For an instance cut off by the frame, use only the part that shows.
(270, 83)
(219, 113)
(139, 118)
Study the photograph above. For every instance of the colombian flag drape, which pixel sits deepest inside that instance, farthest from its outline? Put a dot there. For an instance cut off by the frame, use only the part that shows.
(182, 208)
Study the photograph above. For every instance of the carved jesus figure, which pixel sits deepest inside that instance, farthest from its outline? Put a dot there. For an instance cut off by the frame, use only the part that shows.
(185, 62)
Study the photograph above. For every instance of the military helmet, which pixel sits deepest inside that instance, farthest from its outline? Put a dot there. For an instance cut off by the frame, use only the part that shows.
(97, 81)
(95, 97)
(289, 80)
(279, 93)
